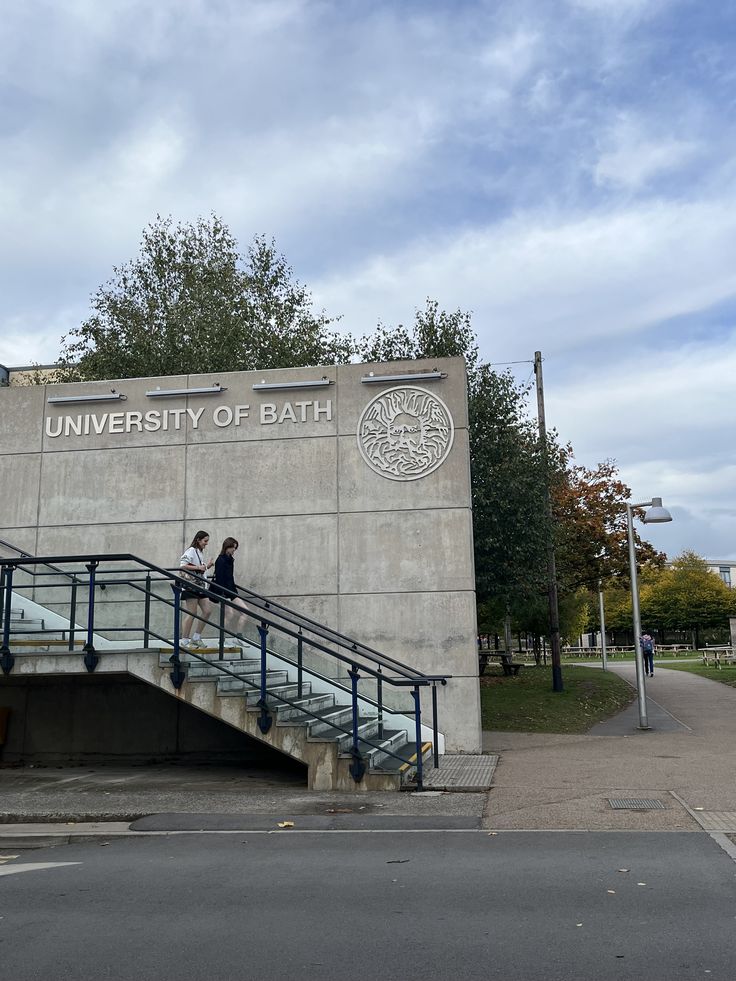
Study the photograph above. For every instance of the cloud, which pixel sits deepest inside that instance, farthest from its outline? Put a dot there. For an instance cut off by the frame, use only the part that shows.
(621, 9)
(562, 170)
(663, 416)
(633, 156)
(546, 280)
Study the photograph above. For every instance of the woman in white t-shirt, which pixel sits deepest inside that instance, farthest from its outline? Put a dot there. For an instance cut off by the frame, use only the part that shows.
(193, 561)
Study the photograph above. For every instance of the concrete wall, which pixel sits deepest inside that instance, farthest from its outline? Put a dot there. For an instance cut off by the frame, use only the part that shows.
(116, 718)
(386, 560)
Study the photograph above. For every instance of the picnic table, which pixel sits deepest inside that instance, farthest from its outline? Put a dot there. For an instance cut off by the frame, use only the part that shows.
(718, 656)
(510, 667)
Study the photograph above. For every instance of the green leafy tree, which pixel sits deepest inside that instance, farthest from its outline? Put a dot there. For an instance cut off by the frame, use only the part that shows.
(189, 302)
(688, 596)
(435, 333)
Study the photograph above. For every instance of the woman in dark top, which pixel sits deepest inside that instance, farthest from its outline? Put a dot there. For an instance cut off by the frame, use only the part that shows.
(223, 584)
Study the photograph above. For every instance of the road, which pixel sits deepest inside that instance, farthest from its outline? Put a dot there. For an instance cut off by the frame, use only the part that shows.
(362, 905)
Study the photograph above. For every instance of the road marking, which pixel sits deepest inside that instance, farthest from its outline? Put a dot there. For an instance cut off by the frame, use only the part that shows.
(33, 867)
(725, 842)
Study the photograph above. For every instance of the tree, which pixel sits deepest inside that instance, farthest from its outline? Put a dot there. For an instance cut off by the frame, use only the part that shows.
(434, 334)
(590, 514)
(189, 302)
(688, 596)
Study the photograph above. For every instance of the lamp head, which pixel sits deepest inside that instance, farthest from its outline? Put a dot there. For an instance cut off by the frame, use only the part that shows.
(656, 514)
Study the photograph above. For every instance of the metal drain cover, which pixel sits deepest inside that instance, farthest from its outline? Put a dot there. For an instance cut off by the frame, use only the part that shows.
(635, 804)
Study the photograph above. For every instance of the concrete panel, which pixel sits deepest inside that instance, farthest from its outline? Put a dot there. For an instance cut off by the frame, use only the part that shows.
(354, 395)
(22, 538)
(19, 488)
(25, 540)
(290, 555)
(98, 425)
(398, 551)
(243, 414)
(322, 609)
(222, 477)
(159, 542)
(435, 634)
(100, 486)
(362, 489)
(21, 417)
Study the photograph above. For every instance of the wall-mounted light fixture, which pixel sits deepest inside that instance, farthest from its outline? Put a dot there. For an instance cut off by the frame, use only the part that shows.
(111, 396)
(168, 393)
(313, 383)
(412, 376)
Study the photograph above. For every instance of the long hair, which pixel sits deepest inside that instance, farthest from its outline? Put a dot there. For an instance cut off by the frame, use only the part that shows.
(228, 543)
(198, 538)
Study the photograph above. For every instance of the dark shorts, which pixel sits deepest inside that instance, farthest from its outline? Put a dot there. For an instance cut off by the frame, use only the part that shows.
(198, 594)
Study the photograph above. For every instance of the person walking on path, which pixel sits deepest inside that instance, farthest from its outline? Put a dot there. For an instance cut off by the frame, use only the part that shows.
(647, 649)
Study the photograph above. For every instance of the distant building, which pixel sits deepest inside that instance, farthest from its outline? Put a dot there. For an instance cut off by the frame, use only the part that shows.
(26, 374)
(725, 568)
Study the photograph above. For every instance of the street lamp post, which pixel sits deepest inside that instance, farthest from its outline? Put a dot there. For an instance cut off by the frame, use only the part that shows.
(655, 515)
(602, 618)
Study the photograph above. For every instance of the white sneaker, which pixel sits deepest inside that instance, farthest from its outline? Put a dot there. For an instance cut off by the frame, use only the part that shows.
(197, 644)
(184, 642)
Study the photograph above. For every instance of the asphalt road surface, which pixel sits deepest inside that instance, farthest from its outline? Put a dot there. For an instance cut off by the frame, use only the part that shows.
(388, 905)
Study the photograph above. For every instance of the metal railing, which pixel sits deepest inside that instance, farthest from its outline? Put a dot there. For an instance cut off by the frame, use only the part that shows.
(161, 593)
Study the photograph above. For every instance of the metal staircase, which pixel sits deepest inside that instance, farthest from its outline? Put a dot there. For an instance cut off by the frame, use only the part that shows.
(352, 714)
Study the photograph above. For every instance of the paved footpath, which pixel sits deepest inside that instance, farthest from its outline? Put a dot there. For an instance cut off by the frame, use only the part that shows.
(686, 760)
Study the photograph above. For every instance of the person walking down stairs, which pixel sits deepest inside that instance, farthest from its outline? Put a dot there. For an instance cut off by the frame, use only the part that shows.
(224, 585)
(193, 567)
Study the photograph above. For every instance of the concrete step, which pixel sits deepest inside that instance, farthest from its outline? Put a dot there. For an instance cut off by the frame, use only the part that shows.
(211, 671)
(44, 641)
(406, 765)
(377, 752)
(226, 685)
(334, 715)
(367, 727)
(288, 690)
(294, 714)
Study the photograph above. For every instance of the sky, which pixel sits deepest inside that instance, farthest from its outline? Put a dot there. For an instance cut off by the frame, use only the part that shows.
(563, 169)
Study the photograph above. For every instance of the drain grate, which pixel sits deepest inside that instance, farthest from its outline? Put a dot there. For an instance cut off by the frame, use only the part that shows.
(635, 804)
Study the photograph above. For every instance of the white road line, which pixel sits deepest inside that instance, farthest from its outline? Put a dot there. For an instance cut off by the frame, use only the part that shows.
(33, 867)
(725, 842)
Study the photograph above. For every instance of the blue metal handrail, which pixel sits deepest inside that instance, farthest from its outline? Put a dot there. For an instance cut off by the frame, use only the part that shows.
(358, 657)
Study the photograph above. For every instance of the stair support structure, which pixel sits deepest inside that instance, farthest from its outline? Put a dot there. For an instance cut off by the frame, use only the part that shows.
(342, 732)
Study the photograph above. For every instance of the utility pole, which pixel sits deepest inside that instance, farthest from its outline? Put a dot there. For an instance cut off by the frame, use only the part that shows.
(554, 613)
(602, 616)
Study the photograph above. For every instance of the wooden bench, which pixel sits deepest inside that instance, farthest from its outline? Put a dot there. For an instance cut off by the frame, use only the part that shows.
(510, 668)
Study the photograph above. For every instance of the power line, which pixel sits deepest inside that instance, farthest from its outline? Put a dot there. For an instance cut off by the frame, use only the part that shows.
(502, 364)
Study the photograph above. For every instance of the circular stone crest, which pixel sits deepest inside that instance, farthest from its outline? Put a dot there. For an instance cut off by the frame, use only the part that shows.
(405, 433)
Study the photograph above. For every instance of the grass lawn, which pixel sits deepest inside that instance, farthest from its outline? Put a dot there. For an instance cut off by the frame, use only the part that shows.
(618, 656)
(528, 704)
(726, 675)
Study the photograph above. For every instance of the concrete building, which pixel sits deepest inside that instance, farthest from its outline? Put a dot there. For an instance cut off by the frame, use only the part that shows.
(348, 488)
